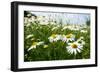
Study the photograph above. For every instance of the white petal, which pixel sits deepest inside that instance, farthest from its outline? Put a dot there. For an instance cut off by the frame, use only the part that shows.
(29, 36)
(79, 50)
(75, 52)
(40, 43)
(32, 47)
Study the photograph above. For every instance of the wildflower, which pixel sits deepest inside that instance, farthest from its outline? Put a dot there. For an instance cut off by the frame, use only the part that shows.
(80, 40)
(54, 28)
(43, 22)
(64, 39)
(45, 46)
(40, 43)
(29, 36)
(74, 48)
(65, 27)
(25, 20)
(54, 38)
(31, 20)
(70, 37)
(83, 31)
(29, 15)
(33, 46)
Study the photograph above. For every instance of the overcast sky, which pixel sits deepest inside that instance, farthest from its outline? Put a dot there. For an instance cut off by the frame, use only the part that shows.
(72, 18)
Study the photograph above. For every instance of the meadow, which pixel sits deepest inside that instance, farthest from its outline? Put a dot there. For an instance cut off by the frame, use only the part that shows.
(46, 41)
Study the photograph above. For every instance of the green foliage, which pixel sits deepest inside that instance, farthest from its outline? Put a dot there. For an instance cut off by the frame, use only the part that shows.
(55, 50)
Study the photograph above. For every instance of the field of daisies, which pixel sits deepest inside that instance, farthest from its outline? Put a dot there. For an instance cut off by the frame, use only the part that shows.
(47, 39)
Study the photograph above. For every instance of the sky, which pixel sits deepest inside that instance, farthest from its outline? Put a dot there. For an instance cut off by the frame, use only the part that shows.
(65, 18)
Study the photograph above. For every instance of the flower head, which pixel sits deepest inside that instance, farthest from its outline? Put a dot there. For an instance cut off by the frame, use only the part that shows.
(69, 37)
(54, 28)
(74, 48)
(83, 31)
(29, 36)
(54, 38)
(45, 46)
(81, 40)
(33, 46)
(40, 43)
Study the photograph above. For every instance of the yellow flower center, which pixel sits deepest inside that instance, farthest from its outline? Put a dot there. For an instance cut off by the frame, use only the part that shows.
(45, 46)
(74, 46)
(53, 35)
(34, 43)
(68, 36)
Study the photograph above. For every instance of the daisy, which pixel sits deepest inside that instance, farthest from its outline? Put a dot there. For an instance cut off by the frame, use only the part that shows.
(64, 28)
(39, 18)
(80, 40)
(29, 36)
(40, 43)
(69, 37)
(54, 28)
(54, 37)
(44, 22)
(45, 46)
(29, 15)
(31, 20)
(64, 39)
(33, 46)
(52, 23)
(83, 31)
(74, 27)
(74, 48)
(36, 44)
(25, 20)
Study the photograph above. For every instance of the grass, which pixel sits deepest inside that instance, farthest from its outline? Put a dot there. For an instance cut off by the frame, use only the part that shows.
(56, 50)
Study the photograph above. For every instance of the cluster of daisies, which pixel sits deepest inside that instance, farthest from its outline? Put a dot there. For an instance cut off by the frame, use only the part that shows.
(73, 45)
(42, 20)
(82, 29)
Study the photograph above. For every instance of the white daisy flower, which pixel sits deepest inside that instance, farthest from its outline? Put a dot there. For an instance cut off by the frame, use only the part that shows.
(32, 19)
(45, 46)
(44, 22)
(54, 38)
(74, 48)
(54, 28)
(80, 40)
(64, 39)
(29, 15)
(70, 27)
(25, 20)
(83, 31)
(52, 23)
(33, 46)
(73, 27)
(69, 37)
(40, 43)
(64, 28)
(29, 36)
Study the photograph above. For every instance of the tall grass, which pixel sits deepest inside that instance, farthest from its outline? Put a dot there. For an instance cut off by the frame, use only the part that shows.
(55, 50)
